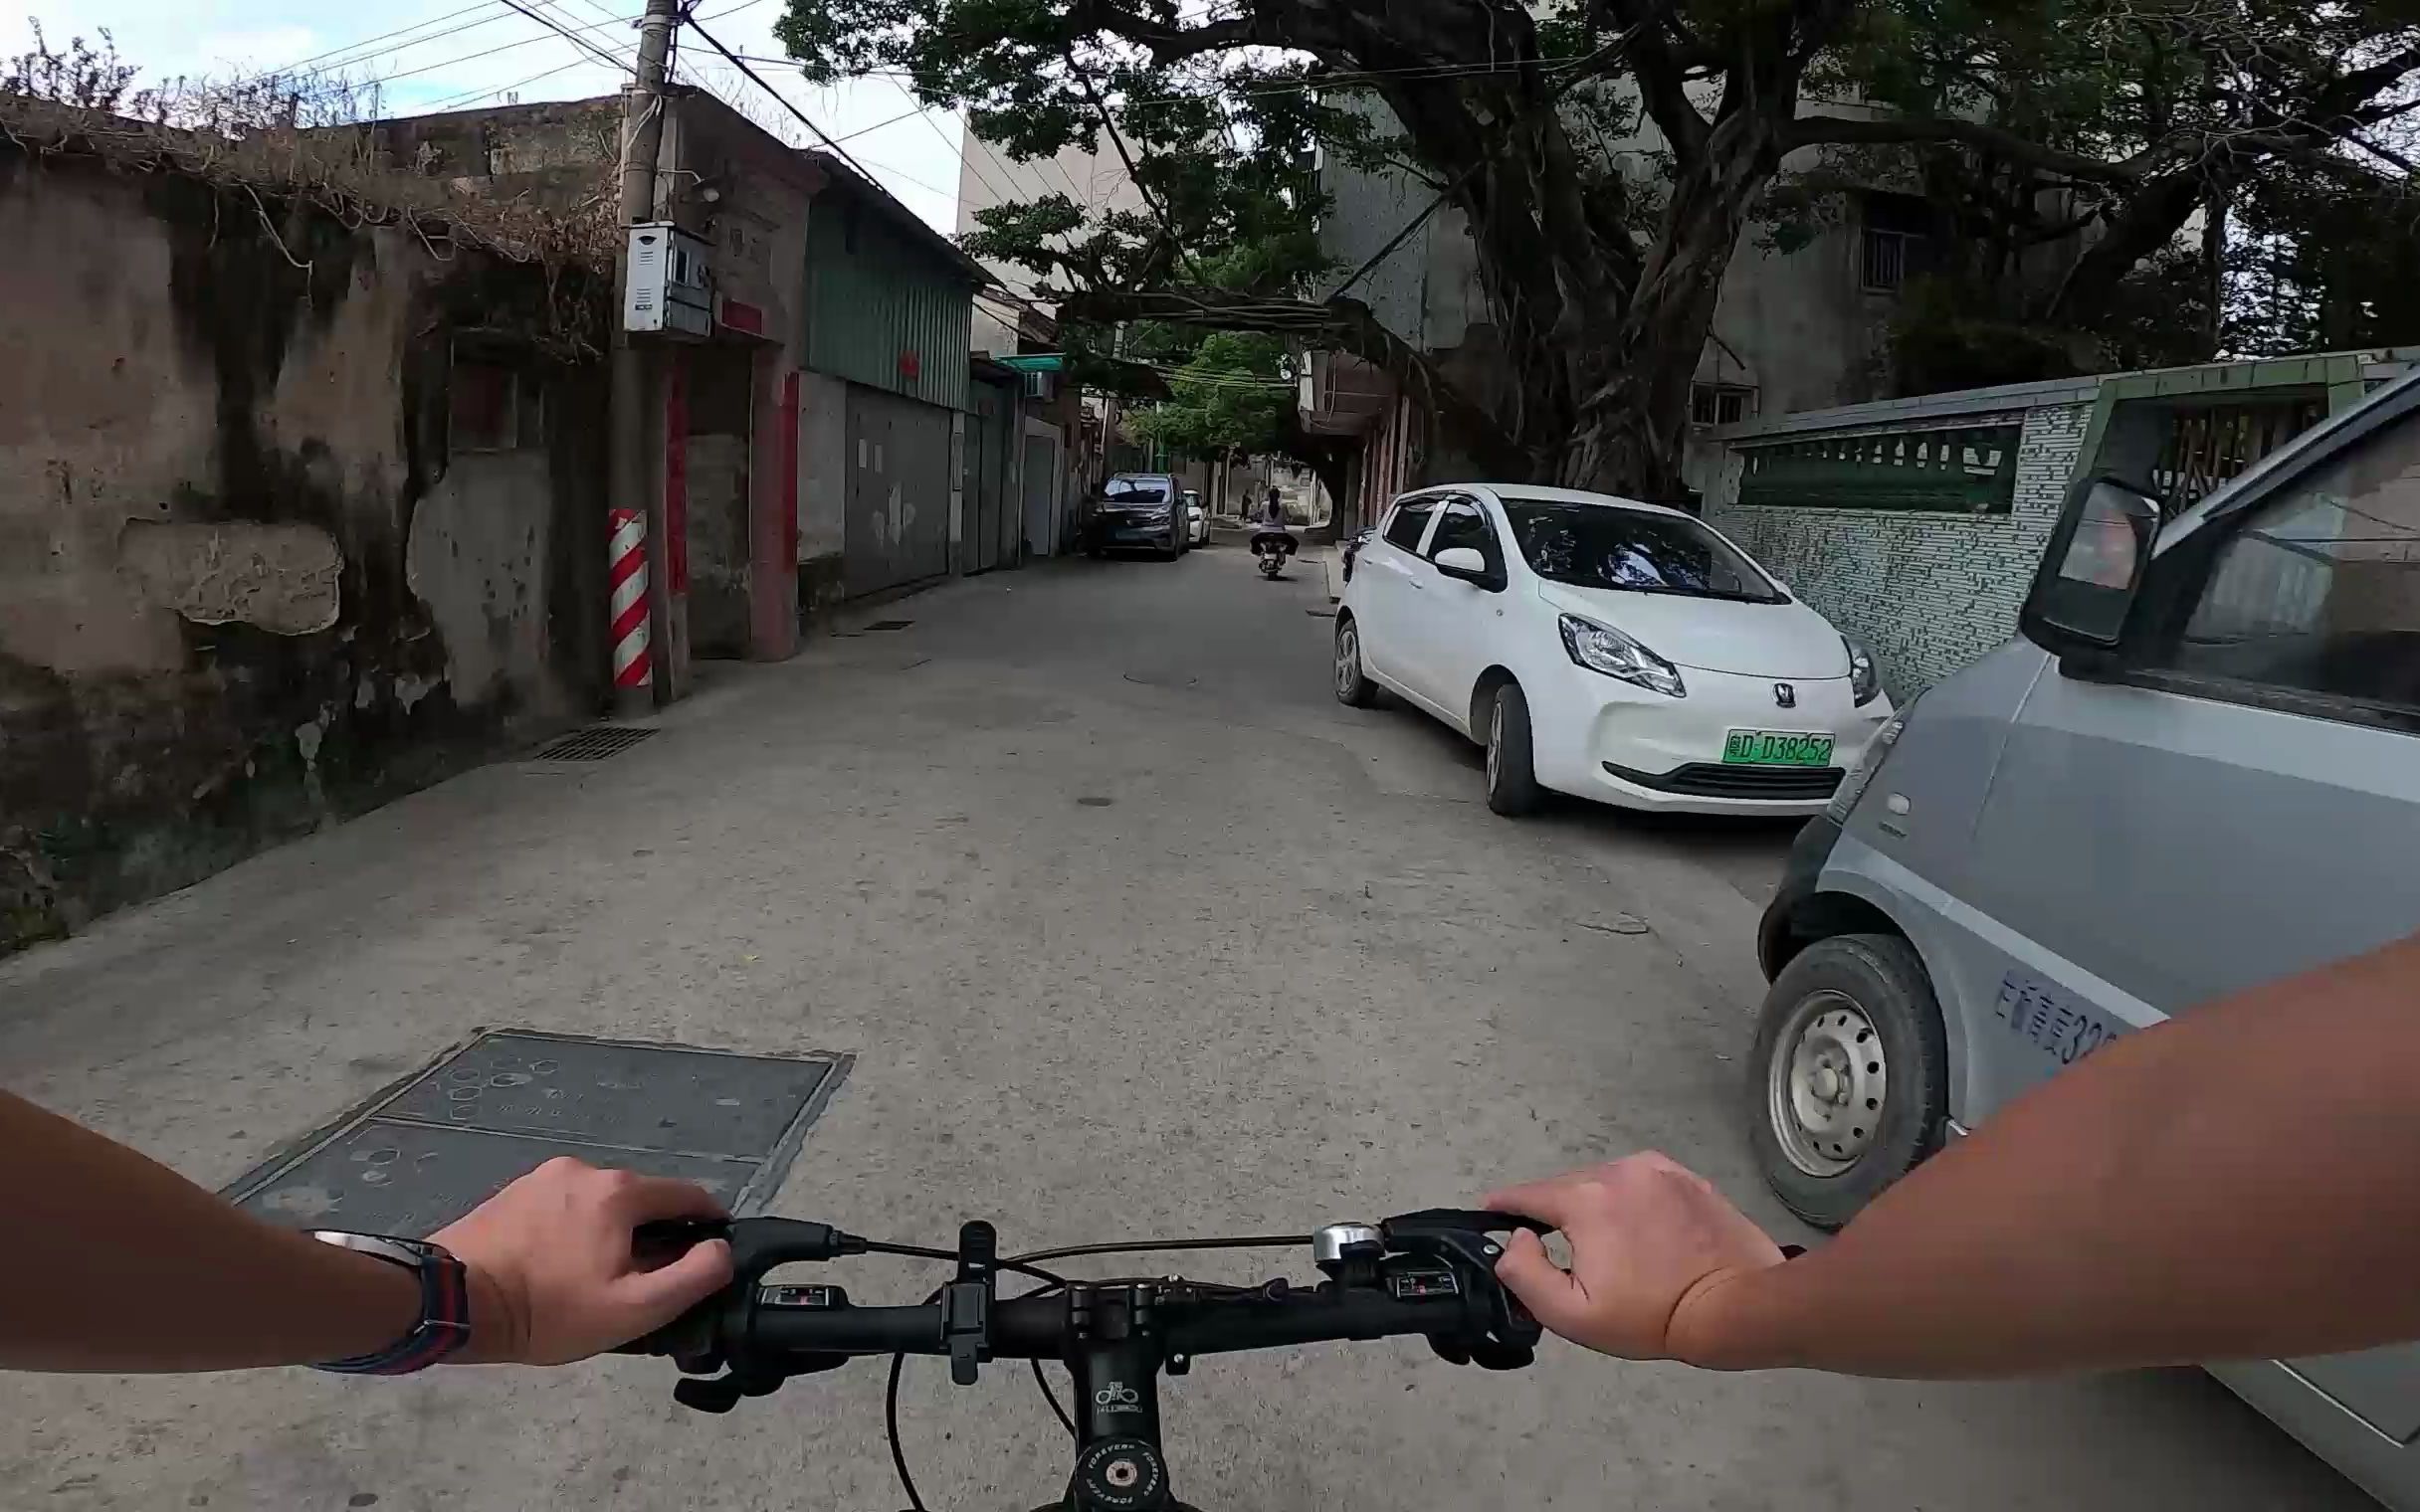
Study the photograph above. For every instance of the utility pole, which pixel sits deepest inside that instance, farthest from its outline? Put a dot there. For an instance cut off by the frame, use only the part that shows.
(634, 480)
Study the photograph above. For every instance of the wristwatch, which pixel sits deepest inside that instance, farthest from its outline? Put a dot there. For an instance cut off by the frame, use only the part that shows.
(444, 1325)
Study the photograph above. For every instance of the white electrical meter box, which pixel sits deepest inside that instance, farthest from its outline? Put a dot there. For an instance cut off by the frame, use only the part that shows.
(669, 288)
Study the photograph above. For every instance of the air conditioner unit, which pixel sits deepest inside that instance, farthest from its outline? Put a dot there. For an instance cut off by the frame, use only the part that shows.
(669, 290)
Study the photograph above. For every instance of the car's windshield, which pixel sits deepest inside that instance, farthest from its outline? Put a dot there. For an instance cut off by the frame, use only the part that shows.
(1603, 547)
(1137, 490)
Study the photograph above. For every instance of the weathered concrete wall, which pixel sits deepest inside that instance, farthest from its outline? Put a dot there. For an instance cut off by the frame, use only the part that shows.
(823, 408)
(719, 415)
(1926, 593)
(248, 580)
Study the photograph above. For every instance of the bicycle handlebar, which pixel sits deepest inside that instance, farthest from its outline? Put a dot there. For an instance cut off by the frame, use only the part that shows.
(1430, 1273)
(1190, 1321)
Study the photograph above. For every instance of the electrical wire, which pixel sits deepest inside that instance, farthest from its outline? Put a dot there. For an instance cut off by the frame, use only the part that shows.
(757, 80)
(891, 121)
(475, 57)
(1341, 79)
(575, 38)
(454, 101)
(297, 66)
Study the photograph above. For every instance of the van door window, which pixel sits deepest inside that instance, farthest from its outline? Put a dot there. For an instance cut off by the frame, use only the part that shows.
(2316, 592)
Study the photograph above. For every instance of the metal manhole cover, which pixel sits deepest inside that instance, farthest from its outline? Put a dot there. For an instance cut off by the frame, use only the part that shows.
(890, 624)
(594, 744)
(424, 1152)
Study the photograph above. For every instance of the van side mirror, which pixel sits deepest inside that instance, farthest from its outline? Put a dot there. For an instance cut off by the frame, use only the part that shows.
(2091, 568)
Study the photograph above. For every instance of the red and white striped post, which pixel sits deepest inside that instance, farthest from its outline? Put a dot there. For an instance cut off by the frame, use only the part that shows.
(626, 580)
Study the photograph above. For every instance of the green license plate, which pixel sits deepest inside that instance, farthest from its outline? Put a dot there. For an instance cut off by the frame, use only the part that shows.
(1776, 748)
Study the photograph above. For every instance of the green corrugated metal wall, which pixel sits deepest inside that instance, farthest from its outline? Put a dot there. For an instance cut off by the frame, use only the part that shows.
(875, 296)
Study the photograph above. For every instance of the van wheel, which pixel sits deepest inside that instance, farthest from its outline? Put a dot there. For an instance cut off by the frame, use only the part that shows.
(1512, 787)
(1849, 1081)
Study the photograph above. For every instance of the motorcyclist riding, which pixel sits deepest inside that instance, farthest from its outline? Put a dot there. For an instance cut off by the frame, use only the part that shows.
(1271, 541)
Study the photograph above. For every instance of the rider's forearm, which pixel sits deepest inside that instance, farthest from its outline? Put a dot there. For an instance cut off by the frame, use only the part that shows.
(2235, 1184)
(114, 1262)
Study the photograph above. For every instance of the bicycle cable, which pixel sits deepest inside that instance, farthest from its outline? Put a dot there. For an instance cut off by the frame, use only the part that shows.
(1026, 1264)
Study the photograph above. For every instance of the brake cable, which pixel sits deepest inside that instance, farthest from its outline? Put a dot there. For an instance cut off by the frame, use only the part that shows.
(1026, 1264)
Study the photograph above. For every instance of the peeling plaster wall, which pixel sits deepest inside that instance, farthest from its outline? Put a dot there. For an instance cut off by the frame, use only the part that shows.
(248, 585)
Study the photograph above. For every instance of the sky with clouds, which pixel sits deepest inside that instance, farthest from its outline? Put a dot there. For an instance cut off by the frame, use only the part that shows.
(430, 55)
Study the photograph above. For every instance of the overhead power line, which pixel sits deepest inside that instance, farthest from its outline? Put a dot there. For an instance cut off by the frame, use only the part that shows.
(458, 100)
(572, 36)
(381, 37)
(1339, 79)
(508, 47)
(756, 79)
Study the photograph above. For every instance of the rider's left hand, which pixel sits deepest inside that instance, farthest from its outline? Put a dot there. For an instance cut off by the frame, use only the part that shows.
(553, 1275)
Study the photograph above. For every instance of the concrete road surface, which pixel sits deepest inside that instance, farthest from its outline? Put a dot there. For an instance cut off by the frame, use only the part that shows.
(1133, 931)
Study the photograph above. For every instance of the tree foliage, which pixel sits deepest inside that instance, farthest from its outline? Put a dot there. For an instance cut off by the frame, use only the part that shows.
(1607, 155)
(2106, 133)
(1230, 396)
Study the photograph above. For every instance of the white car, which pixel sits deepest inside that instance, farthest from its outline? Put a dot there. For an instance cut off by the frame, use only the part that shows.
(1197, 519)
(1607, 648)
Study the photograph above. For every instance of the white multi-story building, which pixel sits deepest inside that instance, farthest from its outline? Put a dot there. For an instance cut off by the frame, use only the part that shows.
(987, 177)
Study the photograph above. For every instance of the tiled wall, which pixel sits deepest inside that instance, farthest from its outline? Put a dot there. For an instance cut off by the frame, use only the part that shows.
(1926, 593)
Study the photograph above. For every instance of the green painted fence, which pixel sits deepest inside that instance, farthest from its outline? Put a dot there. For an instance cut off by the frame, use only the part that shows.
(1966, 470)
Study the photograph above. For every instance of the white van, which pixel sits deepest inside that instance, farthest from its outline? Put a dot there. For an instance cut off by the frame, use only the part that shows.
(2198, 770)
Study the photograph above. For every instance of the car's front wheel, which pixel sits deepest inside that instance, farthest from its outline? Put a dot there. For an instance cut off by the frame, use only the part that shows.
(1849, 1081)
(1353, 687)
(1512, 787)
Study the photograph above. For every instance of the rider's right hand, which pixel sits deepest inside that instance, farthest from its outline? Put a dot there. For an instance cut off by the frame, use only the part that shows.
(1652, 1245)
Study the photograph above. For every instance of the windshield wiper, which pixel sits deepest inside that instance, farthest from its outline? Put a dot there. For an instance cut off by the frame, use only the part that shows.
(1733, 596)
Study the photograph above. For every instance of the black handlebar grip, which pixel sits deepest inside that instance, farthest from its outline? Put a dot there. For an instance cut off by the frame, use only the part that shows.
(677, 1234)
(1469, 1220)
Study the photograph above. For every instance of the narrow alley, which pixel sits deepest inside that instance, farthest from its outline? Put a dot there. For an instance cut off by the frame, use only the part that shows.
(1131, 932)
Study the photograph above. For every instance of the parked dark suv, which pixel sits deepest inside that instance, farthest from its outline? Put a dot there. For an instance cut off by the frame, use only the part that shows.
(1138, 510)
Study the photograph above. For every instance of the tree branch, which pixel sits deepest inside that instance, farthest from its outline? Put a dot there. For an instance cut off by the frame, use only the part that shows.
(1823, 131)
(1345, 325)
(1659, 73)
(2356, 87)
(1170, 44)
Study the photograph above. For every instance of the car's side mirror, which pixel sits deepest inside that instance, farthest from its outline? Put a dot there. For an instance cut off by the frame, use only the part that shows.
(2092, 569)
(1466, 563)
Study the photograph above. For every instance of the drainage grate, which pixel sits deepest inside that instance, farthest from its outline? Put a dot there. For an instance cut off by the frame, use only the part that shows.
(891, 625)
(424, 1151)
(594, 744)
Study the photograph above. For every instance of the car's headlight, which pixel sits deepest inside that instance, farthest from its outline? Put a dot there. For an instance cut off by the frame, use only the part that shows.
(1601, 649)
(1853, 787)
(1864, 678)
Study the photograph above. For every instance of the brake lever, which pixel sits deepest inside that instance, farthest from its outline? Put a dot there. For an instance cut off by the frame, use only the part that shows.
(700, 1340)
(1464, 1238)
